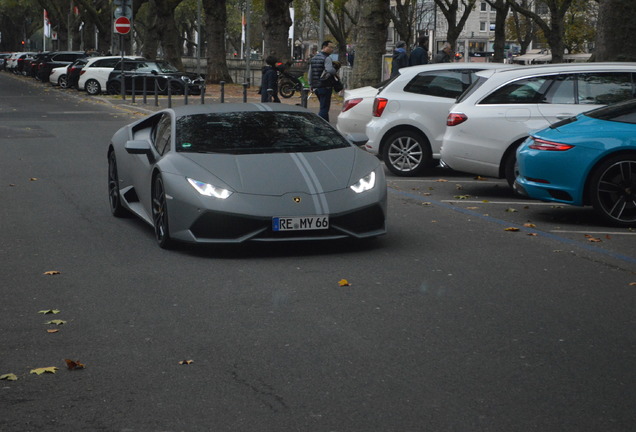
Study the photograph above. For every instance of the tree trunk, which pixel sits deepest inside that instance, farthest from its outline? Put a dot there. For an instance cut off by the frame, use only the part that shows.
(215, 19)
(372, 31)
(615, 31)
(276, 23)
(167, 28)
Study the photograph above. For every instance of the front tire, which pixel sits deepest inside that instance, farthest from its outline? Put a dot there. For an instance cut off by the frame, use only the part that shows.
(160, 214)
(93, 87)
(613, 190)
(407, 153)
(62, 81)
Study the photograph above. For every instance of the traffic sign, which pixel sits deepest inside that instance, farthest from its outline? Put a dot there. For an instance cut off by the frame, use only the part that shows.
(122, 25)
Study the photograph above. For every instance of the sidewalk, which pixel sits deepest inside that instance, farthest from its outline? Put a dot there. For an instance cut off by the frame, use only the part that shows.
(233, 93)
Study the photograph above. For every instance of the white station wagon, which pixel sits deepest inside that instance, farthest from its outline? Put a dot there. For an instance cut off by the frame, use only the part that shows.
(496, 114)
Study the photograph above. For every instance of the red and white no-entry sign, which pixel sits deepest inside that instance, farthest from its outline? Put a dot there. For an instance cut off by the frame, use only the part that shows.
(122, 25)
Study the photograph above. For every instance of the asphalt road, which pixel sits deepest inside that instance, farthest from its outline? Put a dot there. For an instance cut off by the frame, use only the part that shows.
(451, 322)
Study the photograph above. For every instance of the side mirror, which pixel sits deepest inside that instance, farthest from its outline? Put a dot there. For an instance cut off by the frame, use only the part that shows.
(138, 147)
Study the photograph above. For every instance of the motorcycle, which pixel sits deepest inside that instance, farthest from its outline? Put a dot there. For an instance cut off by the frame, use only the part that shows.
(289, 84)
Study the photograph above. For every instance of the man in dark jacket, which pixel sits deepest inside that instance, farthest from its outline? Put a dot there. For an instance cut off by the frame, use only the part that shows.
(400, 59)
(445, 55)
(269, 81)
(318, 64)
(419, 55)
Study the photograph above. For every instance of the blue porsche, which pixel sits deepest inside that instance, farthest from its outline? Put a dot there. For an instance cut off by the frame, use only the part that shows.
(589, 159)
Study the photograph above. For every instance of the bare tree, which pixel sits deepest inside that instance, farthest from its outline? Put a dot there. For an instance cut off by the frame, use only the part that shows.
(450, 9)
(404, 19)
(521, 27)
(552, 23)
(372, 31)
(341, 18)
(615, 31)
(502, 8)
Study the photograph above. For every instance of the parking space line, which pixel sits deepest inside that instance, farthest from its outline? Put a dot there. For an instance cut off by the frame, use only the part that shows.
(596, 232)
(534, 203)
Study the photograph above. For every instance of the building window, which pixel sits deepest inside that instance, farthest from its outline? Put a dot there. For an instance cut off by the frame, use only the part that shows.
(482, 26)
(483, 6)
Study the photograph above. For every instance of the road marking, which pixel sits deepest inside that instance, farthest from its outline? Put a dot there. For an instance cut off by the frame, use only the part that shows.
(536, 203)
(595, 232)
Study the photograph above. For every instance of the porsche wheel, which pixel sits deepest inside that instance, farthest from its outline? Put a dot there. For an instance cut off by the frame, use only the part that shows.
(93, 87)
(613, 190)
(407, 153)
(160, 214)
(113, 188)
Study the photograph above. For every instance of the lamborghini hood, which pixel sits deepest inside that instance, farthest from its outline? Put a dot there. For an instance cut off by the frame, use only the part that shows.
(280, 173)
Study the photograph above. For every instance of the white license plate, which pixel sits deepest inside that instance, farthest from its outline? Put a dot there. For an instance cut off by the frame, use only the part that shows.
(301, 223)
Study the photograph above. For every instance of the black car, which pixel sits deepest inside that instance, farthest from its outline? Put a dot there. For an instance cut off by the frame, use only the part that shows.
(32, 63)
(157, 73)
(57, 59)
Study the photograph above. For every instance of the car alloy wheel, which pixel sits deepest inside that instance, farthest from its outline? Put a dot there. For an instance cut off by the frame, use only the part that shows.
(113, 187)
(92, 87)
(613, 190)
(62, 82)
(407, 153)
(160, 214)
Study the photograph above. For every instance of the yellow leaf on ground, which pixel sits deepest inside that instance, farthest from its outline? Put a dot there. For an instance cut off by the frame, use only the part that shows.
(511, 210)
(529, 225)
(9, 377)
(52, 330)
(33, 179)
(513, 229)
(56, 322)
(344, 282)
(52, 272)
(49, 311)
(186, 362)
(40, 371)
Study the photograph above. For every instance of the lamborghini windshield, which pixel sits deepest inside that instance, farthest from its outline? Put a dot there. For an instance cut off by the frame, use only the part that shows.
(256, 132)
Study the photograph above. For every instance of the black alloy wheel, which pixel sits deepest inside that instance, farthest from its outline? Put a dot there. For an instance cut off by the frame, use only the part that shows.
(113, 188)
(407, 153)
(613, 190)
(160, 214)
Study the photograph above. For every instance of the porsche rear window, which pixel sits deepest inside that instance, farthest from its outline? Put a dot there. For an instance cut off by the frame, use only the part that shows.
(256, 132)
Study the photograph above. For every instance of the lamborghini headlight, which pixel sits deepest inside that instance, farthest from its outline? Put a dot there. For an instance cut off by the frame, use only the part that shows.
(209, 190)
(364, 184)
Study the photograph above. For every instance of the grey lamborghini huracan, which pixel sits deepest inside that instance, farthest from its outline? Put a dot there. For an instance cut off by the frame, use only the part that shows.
(229, 173)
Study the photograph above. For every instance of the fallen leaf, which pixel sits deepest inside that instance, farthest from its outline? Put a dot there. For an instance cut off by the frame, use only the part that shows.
(52, 330)
(594, 240)
(56, 322)
(441, 180)
(33, 179)
(529, 225)
(632, 284)
(459, 187)
(40, 371)
(49, 311)
(9, 377)
(344, 282)
(511, 210)
(532, 234)
(426, 194)
(52, 272)
(513, 229)
(72, 365)
(480, 178)
(462, 197)
(472, 208)
(186, 362)
(426, 203)
(485, 201)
